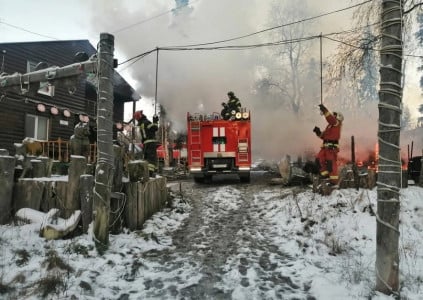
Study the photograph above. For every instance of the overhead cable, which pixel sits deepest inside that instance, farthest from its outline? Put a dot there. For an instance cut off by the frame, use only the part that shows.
(26, 30)
(280, 26)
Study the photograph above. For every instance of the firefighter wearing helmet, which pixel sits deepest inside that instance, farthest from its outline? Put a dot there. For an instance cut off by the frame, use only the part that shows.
(231, 107)
(148, 131)
(328, 154)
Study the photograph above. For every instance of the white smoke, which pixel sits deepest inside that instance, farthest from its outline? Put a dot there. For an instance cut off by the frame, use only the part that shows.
(194, 81)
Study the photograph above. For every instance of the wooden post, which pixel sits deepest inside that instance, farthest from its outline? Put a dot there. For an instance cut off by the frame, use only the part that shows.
(138, 171)
(118, 173)
(78, 165)
(389, 171)
(86, 184)
(104, 168)
(28, 193)
(59, 142)
(7, 171)
(38, 168)
(118, 199)
(131, 207)
(354, 165)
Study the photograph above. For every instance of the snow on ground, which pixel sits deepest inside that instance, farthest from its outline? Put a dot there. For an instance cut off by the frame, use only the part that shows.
(329, 240)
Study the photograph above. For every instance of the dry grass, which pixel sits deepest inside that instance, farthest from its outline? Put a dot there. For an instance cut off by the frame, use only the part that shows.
(49, 285)
(23, 257)
(54, 261)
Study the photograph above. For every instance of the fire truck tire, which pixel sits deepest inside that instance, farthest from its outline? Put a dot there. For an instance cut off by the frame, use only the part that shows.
(199, 179)
(245, 178)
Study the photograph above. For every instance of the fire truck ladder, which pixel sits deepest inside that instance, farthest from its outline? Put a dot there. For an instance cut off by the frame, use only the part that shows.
(243, 150)
(196, 143)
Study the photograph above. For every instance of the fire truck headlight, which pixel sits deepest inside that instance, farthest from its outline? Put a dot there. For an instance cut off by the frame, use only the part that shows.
(245, 115)
(238, 115)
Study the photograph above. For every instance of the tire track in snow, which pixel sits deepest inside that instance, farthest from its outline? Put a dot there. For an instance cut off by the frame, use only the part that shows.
(225, 250)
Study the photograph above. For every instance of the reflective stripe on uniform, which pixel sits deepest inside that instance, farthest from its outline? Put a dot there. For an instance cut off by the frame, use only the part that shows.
(324, 173)
(149, 141)
(330, 145)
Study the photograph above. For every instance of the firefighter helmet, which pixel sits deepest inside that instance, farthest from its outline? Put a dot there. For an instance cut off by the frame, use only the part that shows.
(138, 115)
(231, 94)
(339, 116)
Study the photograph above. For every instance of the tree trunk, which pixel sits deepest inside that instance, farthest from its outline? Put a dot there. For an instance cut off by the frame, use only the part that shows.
(105, 157)
(389, 176)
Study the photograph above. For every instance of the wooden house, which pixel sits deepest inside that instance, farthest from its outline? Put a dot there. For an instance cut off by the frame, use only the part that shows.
(50, 115)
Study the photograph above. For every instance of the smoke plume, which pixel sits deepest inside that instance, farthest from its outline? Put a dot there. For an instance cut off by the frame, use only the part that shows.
(198, 81)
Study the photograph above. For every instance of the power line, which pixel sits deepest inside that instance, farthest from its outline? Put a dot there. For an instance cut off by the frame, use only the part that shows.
(280, 26)
(137, 57)
(367, 48)
(29, 31)
(244, 36)
(236, 47)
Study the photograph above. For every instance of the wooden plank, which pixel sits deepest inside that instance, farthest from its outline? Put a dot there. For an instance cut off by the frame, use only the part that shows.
(28, 193)
(77, 168)
(86, 190)
(141, 205)
(131, 207)
(7, 170)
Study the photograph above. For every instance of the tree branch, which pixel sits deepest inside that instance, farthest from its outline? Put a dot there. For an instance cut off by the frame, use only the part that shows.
(413, 7)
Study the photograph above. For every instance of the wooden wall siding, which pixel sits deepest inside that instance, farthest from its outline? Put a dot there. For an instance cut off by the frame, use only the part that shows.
(13, 107)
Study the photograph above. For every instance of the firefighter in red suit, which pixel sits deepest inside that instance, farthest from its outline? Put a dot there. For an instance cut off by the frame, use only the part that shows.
(327, 156)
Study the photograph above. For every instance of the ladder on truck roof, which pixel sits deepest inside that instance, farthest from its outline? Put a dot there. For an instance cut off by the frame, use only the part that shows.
(196, 143)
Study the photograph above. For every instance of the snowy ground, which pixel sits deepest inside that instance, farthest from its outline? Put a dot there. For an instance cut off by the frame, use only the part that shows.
(277, 243)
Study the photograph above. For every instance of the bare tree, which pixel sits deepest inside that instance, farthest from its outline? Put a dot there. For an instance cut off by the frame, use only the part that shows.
(286, 73)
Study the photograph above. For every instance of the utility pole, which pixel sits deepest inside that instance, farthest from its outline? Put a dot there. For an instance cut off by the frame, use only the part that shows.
(390, 172)
(105, 160)
(29, 82)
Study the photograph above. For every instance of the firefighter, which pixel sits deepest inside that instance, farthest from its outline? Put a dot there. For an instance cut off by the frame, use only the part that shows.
(233, 105)
(225, 113)
(148, 131)
(328, 154)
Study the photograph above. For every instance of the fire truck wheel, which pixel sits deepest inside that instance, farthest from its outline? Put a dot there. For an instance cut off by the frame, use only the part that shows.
(245, 178)
(199, 179)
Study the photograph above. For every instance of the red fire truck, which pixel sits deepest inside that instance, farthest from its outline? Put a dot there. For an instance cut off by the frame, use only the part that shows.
(217, 146)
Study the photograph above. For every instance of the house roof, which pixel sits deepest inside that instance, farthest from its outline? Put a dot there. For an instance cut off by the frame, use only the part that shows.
(60, 53)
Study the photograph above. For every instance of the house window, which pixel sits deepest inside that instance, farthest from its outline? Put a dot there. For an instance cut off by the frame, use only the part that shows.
(36, 127)
(91, 107)
(30, 65)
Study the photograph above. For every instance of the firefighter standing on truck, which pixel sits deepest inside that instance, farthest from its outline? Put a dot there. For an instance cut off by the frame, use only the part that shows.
(233, 104)
(328, 154)
(148, 131)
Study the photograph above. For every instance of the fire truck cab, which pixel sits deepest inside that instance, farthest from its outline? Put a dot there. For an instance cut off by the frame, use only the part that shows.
(217, 146)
